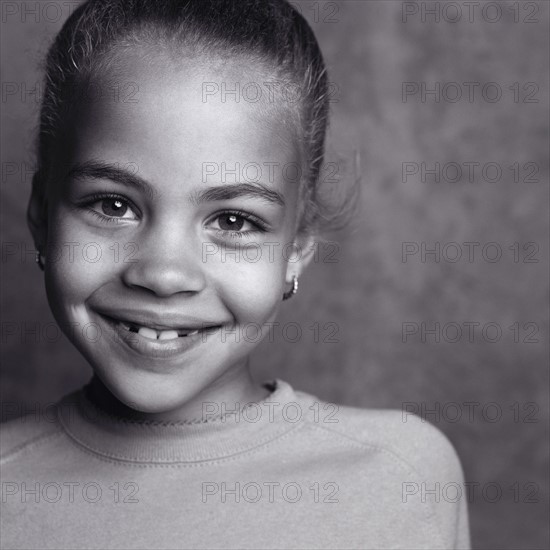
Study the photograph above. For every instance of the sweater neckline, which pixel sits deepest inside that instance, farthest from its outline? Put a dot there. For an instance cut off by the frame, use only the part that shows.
(214, 437)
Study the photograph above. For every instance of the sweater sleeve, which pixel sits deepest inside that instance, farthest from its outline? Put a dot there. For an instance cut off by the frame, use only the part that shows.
(432, 478)
(441, 468)
(430, 453)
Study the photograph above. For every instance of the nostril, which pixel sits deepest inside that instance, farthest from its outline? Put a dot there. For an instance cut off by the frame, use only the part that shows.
(164, 278)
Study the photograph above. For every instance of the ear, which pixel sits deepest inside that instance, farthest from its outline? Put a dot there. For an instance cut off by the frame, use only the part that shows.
(300, 256)
(37, 214)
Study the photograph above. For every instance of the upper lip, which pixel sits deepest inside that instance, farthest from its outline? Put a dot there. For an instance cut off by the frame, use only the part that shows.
(159, 320)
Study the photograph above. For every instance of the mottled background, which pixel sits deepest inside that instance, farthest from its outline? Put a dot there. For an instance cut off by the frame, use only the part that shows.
(360, 300)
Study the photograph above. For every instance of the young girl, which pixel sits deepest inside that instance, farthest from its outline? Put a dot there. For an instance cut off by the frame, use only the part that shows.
(180, 147)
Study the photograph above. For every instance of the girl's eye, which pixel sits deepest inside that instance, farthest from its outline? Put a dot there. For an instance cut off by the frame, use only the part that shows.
(231, 222)
(113, 207)
(237, 224)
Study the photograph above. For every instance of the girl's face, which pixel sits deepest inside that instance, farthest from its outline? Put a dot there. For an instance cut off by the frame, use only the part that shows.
(169, 231)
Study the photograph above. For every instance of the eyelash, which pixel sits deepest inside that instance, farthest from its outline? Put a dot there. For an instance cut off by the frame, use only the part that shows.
(103, 196)
(261, 226)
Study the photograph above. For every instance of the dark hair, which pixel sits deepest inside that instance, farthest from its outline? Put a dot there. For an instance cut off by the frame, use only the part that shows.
(272, 32)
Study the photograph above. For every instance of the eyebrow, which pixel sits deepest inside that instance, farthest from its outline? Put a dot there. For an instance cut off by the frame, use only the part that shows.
(92, 169)
(228, 192)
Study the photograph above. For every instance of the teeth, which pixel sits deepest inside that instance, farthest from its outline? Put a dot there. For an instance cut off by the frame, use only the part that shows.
(153, 334)
(168, 334)
(148, 332)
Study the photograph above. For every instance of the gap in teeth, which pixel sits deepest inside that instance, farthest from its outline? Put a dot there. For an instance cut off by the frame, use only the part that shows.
(158, 334)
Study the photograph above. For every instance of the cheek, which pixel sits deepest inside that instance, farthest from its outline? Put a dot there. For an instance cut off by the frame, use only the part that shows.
(252, 290)
(75, 263)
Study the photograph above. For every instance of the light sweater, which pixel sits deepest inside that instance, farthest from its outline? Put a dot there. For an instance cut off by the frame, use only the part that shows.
(288, 472)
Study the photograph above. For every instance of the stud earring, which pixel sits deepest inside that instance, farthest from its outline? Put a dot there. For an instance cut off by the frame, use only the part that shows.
(38, 260)
(293, 290)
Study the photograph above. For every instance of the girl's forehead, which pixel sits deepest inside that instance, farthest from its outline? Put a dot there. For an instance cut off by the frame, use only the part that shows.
(203, 99)
(170, 128)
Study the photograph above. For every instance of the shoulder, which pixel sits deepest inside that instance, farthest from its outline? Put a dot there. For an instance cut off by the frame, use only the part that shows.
(410, 460)
(26, 432)
(409, 438)
(411, 456)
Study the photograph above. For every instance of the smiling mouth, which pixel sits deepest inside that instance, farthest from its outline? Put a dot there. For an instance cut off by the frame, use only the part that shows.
(155, 333)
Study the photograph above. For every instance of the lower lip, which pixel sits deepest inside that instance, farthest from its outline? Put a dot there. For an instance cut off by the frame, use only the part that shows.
(155, 349)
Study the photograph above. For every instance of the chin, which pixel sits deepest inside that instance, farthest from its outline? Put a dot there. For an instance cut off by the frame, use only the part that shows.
(152, 394)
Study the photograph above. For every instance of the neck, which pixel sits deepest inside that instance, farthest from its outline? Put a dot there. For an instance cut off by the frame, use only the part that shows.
(174, 442)
(233, 390)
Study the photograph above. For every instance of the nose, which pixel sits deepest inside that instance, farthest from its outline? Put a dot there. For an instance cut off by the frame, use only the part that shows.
(166, 264)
